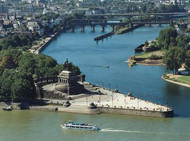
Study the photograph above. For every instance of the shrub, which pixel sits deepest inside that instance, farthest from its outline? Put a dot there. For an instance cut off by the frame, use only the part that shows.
(154, 57)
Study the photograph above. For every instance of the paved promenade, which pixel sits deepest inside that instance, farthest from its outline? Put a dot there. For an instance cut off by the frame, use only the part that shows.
(106, 98)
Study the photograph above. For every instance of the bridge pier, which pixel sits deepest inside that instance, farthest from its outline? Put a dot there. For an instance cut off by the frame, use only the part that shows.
(102, 29)
(104, 21)
(112, 28)
(72, 29)
(159, 24)
(82, 29)
(150, 25)
(89, 21)
(92, 29)
(130, 25)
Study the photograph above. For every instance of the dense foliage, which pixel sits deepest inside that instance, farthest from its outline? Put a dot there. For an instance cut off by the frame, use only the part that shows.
(176, 48)
(18, 69)
(187, 60)
(39, 65)
(16, 86)
(174, 58)
(167, 38)
(15, 41)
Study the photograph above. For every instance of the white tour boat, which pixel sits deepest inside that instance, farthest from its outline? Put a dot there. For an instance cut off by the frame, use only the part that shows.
(80, 126)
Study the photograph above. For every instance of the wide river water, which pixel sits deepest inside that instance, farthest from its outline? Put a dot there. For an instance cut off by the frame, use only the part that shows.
(143, 81)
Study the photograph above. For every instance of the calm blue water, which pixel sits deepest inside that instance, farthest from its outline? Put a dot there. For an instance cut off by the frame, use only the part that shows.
(142, 81)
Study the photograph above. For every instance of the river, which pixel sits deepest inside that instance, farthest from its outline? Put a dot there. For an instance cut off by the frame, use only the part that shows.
(143, 81)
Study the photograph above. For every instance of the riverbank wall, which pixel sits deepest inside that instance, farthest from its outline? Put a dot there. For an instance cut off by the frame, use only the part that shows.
(52, 39)
(16, 106)
(81, 109)
(136, 112)
(129, 105)
(107, 101)
(48, 40)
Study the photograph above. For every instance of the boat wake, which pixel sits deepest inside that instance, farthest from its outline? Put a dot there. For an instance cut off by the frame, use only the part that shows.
(141, 132)
(115, 130)
(98, 66)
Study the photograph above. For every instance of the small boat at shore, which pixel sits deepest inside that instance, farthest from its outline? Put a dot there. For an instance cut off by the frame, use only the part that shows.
(9, 108)
(80, 126)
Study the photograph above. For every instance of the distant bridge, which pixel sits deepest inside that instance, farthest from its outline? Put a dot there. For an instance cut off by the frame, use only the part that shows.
(141, 14)
(103, 23)
(152, 22)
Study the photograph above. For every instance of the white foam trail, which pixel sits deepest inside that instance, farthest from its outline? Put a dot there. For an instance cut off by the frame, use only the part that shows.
(141, 132)
(115, 130)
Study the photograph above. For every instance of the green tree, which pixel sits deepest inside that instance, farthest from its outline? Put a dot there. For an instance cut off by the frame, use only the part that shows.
(22, 87)
(187, 60)
(183, 41)
(167, 37)
(25, 40)
(16, 86)
(16, 40)
(174, 58)
(8, 43)
(27, 63)
(5, 92)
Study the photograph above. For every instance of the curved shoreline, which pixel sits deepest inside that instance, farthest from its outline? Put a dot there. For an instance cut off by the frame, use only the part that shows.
(46, 42)
(106, 101)
(146, 63)
(177, 83)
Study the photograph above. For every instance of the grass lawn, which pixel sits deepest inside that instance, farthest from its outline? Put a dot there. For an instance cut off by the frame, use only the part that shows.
(148, 54)
(120, 31)
(178, 78)
(185, 79)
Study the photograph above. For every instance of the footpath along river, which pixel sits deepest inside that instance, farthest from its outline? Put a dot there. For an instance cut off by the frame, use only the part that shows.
(143, 81)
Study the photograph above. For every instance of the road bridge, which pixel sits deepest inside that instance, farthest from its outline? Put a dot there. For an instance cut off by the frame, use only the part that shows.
(103, 23)
(140, 14)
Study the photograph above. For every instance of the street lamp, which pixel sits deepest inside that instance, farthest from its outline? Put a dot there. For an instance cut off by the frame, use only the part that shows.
(125, 100)
(87, 99)
(112, 99)
(100, 99)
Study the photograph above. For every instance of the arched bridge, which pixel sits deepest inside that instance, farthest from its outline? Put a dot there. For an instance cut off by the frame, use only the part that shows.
(103, 23)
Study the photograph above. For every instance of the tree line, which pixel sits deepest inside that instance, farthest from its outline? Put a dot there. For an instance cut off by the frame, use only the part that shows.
(176, 47)
(19, 68)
